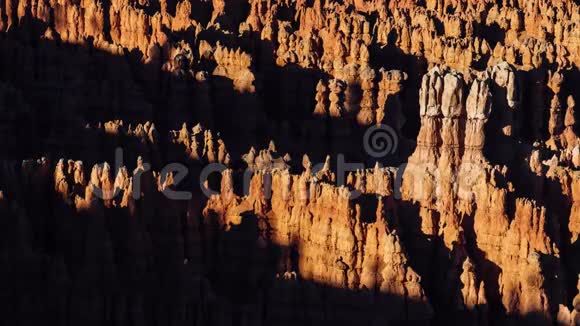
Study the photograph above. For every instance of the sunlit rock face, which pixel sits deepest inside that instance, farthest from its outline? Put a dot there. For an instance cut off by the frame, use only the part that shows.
(289, 162)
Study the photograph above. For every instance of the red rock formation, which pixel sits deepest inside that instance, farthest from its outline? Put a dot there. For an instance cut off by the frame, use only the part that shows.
(337, 248)
(479, 225)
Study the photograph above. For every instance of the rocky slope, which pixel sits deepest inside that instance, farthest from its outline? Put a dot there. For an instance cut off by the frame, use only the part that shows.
(465, 210)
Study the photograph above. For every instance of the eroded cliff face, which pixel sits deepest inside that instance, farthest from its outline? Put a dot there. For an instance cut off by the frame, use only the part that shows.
(469, 215)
